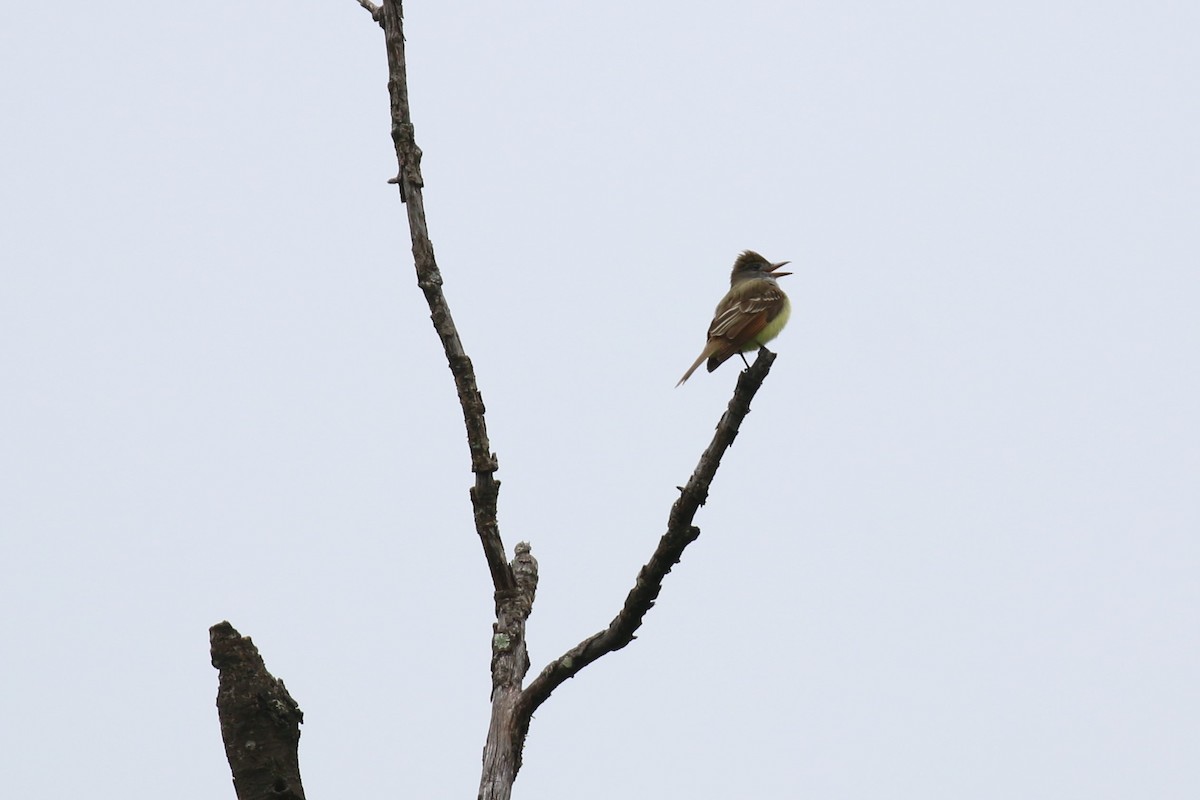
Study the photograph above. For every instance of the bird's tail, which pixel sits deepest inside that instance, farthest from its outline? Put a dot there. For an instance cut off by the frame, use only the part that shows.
(708, 351)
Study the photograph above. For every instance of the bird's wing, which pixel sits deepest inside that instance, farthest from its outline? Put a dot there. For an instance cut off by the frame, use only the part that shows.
(723, 348)
(741, 318)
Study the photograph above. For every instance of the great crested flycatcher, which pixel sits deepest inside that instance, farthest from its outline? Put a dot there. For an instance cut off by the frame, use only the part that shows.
(750, 315)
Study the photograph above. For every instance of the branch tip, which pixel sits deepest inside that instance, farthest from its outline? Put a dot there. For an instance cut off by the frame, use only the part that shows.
(375, 11)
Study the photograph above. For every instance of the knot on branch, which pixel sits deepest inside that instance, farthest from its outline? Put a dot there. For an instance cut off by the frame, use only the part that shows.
(486, 464)
(484, 495)
(695, 492)
(431, 278)
(407, 153)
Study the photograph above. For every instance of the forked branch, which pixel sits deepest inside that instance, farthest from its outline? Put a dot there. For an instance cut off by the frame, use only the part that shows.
(515, 582)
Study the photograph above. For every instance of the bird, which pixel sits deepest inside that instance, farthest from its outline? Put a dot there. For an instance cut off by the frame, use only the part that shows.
(751, 314)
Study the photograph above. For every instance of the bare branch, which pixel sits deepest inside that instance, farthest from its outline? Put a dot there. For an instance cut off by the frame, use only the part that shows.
(515, 583)
(486, 490)
(260, 722)
(680, 533)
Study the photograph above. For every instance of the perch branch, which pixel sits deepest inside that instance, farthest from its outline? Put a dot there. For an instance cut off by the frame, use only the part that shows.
(680, 533)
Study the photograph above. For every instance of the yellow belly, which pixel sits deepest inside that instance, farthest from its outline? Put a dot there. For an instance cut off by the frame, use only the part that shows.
(772, 329)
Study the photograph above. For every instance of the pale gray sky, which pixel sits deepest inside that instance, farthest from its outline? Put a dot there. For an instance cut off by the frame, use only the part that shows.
(953, 553)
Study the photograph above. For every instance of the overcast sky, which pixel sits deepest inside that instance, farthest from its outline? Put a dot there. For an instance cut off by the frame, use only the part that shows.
(953, 554)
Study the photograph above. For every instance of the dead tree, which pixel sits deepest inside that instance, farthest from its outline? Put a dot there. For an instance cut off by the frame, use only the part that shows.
(260, 721)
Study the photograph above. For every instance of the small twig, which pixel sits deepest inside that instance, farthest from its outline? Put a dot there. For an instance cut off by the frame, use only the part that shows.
(680, 533)
(375, 10)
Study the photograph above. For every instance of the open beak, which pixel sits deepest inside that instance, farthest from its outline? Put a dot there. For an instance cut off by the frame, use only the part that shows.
(774, 267)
